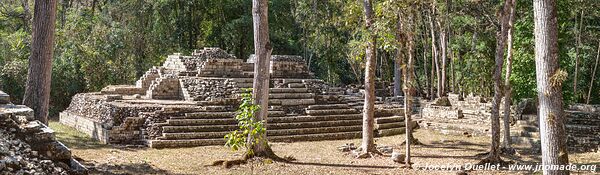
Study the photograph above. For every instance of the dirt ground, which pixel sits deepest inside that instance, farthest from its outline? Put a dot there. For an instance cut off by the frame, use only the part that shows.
(321, 157)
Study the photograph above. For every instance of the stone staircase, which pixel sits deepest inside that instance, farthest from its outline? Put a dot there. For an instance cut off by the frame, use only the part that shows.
(527, 133)
(293, 116)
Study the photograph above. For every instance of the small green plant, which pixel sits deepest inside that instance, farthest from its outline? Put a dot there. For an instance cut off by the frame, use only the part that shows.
(249, 126)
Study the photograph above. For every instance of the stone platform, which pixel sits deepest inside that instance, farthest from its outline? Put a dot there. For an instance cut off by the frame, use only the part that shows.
(191, 101)
(471, 116)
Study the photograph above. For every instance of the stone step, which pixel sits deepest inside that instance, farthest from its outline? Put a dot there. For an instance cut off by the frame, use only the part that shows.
(194, 135)
(331, 112)
(209, 115)
(334, 129)
(529, 128)
(390, 125)
(291, 96)
(295, 125)
(526, 141)
(221, 115)
(158, 144)
(389, 112)
(329, 106)
(195, 122)
(526, 122)
(288, 90)
(456, 129)
(315, 118)
(316, 137)
(390, 132)
(391, 119)
(206, 128)
(525, 134)
(292, 102)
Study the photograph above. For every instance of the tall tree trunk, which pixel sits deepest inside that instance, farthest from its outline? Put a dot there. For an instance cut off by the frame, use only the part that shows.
(434, 57)
(507, 144)
(451, 52)
(368, 143)
(428, 86)
(408, 90)
(444, 57)
(549, 79)
(587, 101)
(39, 75)
(260, 91)
(494, 155)
(398, 60)
(579, 32)
(26, 14)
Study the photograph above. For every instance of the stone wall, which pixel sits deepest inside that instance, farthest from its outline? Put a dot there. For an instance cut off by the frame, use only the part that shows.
(220, 68)
(207, 89)
(583, 130)
(27, 146)
(165, 88)
(288, 66)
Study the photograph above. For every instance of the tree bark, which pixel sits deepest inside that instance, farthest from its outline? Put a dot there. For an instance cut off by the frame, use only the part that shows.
(408, 90)
(507, 144)
(444, 57)
(434, 57)
(549, 84)
(368, 144)
(398, 60)
(587, 101)
(260, 91)
(428, 85)
(39, 75)
(579, 31)
(494, 155)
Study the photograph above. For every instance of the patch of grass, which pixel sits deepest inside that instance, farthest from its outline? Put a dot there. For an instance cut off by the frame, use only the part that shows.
(73, 138)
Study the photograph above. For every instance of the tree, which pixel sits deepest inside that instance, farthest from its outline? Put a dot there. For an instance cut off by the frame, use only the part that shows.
(260, 91)
(576, 71)
(408, 71)
(434, 52)
(494, 154)
(39, 75)
(368, 143)
(587, 101)
(549, 78)
(507, 144)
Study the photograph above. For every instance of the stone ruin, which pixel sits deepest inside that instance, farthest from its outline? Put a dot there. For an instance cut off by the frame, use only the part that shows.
(191, 101)
(27, 146)
(471, 116)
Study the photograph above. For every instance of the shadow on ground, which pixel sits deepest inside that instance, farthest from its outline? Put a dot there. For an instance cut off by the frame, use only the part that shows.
(122, 169)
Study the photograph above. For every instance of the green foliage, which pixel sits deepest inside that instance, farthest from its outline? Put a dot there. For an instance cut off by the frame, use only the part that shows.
(251, 130)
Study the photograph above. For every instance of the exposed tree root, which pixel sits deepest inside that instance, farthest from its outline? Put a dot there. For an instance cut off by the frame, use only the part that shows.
(265, 157)
(359, 154)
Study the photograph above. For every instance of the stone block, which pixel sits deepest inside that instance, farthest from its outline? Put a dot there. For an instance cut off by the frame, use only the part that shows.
(4, 98)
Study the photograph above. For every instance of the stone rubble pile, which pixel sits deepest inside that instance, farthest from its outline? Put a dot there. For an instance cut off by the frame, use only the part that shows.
(30, 147)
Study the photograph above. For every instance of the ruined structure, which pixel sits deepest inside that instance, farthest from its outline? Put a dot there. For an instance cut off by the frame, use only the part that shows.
(471, 116)
(191, 101)
(27, 146)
